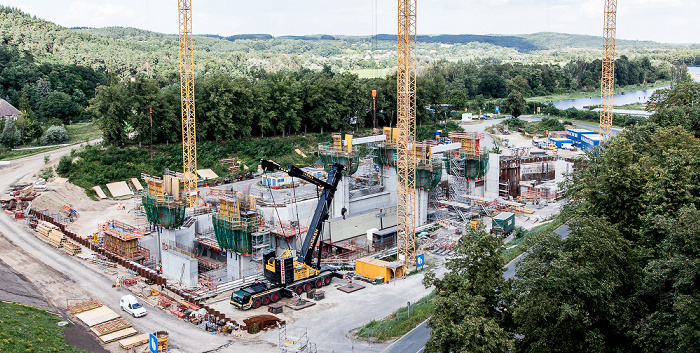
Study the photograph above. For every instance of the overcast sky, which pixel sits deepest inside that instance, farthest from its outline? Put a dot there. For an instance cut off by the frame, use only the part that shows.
(667, 21)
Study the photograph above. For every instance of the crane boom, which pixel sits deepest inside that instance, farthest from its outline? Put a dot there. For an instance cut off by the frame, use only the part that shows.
(406, 124)
(607, 83)
(322, 208)
(189, 137)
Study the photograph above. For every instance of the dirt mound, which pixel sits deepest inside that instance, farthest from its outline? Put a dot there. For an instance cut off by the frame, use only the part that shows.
(58, 195)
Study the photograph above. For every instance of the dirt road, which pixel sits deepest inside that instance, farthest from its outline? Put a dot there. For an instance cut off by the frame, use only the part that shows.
(60, 277)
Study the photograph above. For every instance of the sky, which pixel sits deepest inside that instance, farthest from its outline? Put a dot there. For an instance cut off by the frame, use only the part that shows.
(666, 21)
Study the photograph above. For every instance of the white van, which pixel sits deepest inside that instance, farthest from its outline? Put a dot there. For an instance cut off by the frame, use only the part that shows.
(131, 305)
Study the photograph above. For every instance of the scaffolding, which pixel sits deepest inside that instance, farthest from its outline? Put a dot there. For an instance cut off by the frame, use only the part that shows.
(123, 240)
(163, 201)
(234, 233)
(295, 344)
(335, 152)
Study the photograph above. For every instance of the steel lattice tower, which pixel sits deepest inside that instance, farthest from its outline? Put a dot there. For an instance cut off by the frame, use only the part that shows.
(607, 83)
(189, 139)
(406, 116)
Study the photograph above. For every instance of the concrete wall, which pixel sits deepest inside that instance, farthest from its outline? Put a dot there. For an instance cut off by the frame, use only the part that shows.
(560, 169)
(338, 229)
(151, 243)
(421, 213)
(204, 223)
(182, 235)
(176, 265)
(380, 200)
(304, 209)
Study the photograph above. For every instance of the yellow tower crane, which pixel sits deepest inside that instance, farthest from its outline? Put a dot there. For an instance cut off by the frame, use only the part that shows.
(607, 83)
(406, 124)
(189, 139)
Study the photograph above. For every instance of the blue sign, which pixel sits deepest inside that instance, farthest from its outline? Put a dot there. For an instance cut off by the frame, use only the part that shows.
(420, 261)
(497, 109)
(152, 343)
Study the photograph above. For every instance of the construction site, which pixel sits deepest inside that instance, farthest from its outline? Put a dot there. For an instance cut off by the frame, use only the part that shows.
(274, 259)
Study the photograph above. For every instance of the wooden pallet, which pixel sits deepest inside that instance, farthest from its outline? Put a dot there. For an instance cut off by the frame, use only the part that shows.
(108, 327)
(83, 305)
(134, 341)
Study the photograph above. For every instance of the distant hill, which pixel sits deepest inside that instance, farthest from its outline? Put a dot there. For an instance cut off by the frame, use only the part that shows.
(126, 51)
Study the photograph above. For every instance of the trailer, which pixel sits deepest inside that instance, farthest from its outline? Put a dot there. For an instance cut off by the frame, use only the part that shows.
(503, 224)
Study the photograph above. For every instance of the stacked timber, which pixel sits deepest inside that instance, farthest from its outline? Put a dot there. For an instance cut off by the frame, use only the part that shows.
(44, 228)
(111, 326)
(56, 238)
(71, 247)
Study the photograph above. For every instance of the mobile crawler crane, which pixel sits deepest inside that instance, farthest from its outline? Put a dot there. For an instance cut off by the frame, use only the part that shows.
(285, 275)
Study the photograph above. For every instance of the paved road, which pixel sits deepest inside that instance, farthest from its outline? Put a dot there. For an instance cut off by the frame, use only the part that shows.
(414, 341)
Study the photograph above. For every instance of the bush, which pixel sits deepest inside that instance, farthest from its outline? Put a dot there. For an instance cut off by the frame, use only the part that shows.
(55, 135)
(64, 165)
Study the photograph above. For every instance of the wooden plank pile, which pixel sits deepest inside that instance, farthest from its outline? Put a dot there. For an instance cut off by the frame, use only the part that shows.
(44, 228)
(71, 247)
(134, 341)
(56, 238)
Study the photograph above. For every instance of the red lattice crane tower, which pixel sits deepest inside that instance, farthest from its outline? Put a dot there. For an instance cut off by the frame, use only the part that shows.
(189, 139)
(607, 83)
(406, 124)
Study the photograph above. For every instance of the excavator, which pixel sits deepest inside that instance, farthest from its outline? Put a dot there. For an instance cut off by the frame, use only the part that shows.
(285, 274)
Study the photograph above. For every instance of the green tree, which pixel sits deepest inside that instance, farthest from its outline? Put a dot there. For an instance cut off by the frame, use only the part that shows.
(113, 109)
(58, 105)
(29, 128)
(515, 103)
(576, 295)
(670, 290)
(457, 99)
(472, 308)
(10, 136)
(224, 108)
(55, 135)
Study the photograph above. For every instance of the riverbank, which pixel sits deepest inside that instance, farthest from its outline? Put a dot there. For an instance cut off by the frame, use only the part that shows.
(596, 93)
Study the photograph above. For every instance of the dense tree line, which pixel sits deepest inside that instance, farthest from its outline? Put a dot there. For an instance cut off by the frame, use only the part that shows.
(624, 279)
(266, 103)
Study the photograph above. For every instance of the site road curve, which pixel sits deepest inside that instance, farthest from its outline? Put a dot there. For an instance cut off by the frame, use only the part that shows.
(60, 277)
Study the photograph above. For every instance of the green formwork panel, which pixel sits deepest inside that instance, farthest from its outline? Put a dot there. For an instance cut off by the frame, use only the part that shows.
(385, 156)
(350, 163)
(164, 211)
(472, 167)
(234, 235)
(428, 177)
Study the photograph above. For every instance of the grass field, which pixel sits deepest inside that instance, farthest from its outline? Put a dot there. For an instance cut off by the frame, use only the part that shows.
(398, 323)
(82, 132)
(371, 73)
(28, 329)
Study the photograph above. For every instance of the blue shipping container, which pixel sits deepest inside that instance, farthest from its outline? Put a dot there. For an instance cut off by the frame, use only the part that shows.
(590, 141)
(577, 134)
(561, 141)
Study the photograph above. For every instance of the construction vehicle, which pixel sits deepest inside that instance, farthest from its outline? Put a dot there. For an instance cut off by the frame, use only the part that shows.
(284, 274)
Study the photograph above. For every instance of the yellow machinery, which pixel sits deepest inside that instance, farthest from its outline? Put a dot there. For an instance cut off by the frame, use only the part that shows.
(189, 139)
(607, 83)
(406, 124)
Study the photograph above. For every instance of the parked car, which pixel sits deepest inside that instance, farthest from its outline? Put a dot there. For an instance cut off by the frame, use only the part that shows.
(131, 305)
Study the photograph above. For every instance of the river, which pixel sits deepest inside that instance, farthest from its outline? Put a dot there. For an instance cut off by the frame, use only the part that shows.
(619, 99)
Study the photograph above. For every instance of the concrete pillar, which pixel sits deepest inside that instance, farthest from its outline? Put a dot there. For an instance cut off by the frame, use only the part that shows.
(341, 199)
(492, 177)
(421, 212)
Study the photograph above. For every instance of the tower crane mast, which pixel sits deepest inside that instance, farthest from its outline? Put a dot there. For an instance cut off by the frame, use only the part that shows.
(406, 124)
(189, 139)
(607, 83)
